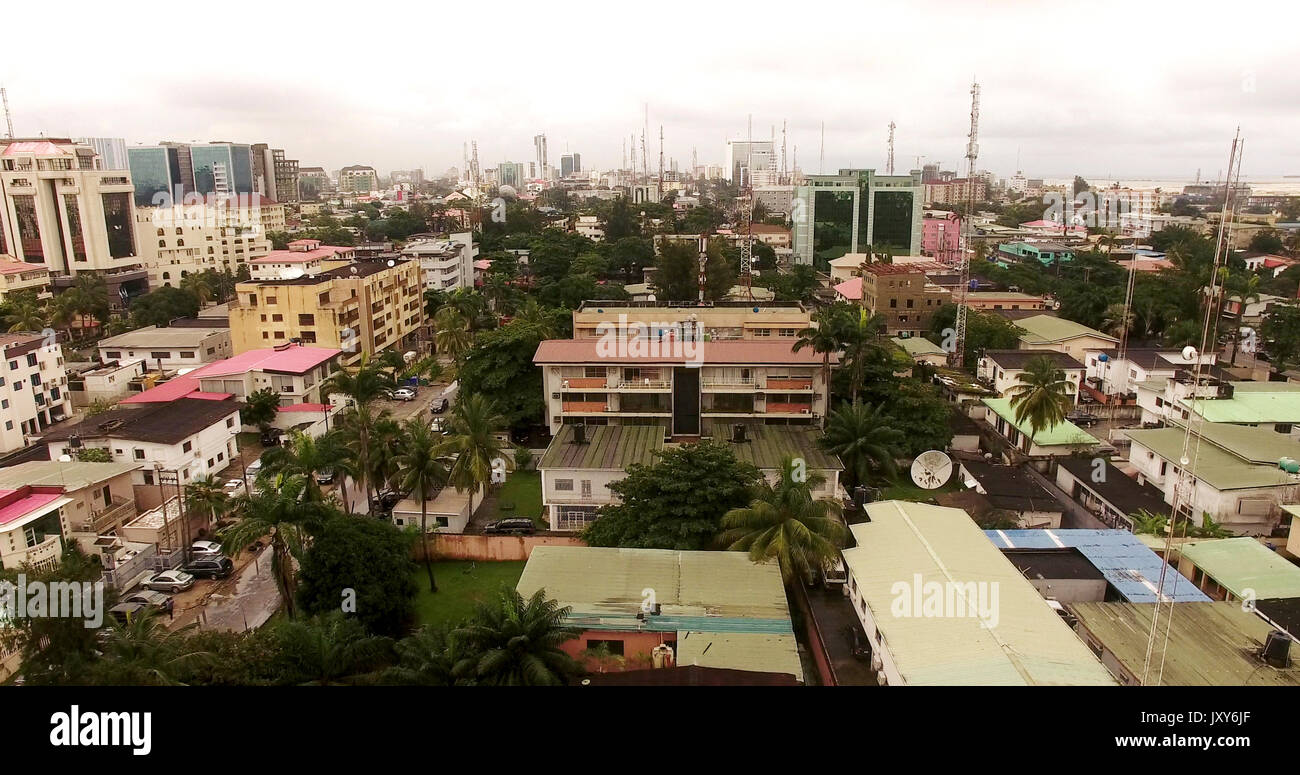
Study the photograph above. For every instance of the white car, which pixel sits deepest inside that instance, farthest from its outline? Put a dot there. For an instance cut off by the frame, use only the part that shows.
(169, 581)
(205, 549)
(234, 487)
(404, 394)
(255, 466)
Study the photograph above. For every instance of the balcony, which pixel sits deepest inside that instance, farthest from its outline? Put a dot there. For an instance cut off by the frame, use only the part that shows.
(575, 383)
(120, 510)
(798, 383)
(788, 408)
(585, 407)
(45, 552)
(725, 384)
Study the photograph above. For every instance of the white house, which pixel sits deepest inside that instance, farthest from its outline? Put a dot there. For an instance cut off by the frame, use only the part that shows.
(1003, 368)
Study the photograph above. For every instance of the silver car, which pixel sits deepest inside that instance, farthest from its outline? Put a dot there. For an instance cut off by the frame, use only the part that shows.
(169, 581)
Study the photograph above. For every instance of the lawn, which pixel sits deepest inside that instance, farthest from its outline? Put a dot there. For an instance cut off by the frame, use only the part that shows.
(461, 585)
(905, 490)
(523, 490)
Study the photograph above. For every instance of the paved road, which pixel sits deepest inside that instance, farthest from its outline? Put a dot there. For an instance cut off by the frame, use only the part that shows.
(248, 603)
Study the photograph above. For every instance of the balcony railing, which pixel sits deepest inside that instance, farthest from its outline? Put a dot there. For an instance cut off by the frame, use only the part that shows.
(729, 382)
(790, 384)
(572, 383)
(120, 509)
(46, 552)
(785, 408)
(586, 407)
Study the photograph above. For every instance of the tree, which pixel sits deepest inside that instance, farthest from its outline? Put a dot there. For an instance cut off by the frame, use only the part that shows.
(451, 336)
(822, 338)
(516, 642)
(143, 652)
(677, 269)
(364, 566)
(368, 382)
(1080, 185)
(329, 650)
(54, 649)
(304, 455)
(205, 495)
(1042, 398)
(1144, 522)
(863, 346)
(25, 314)
(921, 412)
(865, 441)
(1266, 241)
(428, 657)
(95, 455)
(1281, 333)
(472, 444)
(260, 408)
(278, 512)
(500, 364)
(984, 331)
(677, 502)
(163, 305)
(423, 473)
(785, 522)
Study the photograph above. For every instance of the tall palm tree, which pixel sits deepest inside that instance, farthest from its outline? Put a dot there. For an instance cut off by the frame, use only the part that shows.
(422, 473)
(860, 434)
(537, 317)
(359, 429)
(198, 285)
(822, 338)
(301, 455)
(25, 314)
(205, 495)
(1043, 396)
(363, 385)
(516, 642)
(472, 444)
(281, 513)
(863, 344)
(452, 336)
(786, 523)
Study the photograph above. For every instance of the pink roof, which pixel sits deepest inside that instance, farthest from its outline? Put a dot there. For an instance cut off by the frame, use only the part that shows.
(38, 147)
(850, 289)
(15, 267)
(483, 264)
(1042, 224)
(738, 351)
(16, 505)
(298, 256)
(292, 360)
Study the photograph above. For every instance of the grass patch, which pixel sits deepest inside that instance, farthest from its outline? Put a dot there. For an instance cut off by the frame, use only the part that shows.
(523, 491)
(462, 585)
(905, 490)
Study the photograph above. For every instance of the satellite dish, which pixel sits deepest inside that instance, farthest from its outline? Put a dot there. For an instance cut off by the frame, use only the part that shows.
(931, 470)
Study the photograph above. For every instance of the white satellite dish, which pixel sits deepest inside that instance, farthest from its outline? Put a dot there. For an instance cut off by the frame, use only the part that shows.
(931, 469)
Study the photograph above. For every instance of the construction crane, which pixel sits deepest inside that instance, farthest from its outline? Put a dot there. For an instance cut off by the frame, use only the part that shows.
(889, 165)
(958, 356)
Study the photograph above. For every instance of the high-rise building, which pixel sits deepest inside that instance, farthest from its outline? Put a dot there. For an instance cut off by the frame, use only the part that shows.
(222, 168)
(511, 173)
(539, 143)
(577, 163)
(854, 211)
(110, 150)
(738, 157)
(156, 175)
(312, 182)
(285, 177)
(566, 165)
(56, 209)
(358, 179)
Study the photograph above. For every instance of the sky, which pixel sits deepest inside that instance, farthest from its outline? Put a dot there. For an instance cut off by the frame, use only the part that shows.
(1106, 90)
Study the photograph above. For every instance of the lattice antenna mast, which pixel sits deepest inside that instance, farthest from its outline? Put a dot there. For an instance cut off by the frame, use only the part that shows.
(889, 165)
(9, 119)
(661, 159)
(785, 171)
(958, 356)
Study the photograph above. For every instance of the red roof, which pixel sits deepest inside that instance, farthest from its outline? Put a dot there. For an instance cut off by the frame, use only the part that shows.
(737, 351)
(293, 359)
(850, 289)
(15, 267)
(298, 256)
(879, 268)
(16, 504)
(37, 147)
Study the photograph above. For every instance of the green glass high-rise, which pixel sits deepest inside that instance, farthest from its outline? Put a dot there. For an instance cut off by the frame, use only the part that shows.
(854, 211)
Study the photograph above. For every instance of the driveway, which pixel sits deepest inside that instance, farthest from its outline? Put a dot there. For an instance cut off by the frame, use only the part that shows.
(244, 601)
(834, 617)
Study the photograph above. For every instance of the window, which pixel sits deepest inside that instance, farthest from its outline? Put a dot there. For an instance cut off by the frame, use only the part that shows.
(586, 488)
(138, 454)
(564, 485)
(160, 354)
(187, 446)
(113, 355)
(1282, 427)
(593, 372)
(230, 422)
(148, 477)
(613, 647)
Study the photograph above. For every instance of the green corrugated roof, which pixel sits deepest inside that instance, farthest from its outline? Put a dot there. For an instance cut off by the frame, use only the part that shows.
(1027, 643)
(1252, 402)
(70, 476)
(1210, 644)
(1229, 457)
(1045, 329)
(608, 447)
(766, 445)
(918, 345)
(1062, 434)
(1238, 564)
(726, 610)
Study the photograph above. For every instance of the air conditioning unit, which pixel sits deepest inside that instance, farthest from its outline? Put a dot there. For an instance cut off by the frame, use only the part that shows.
(555, 395)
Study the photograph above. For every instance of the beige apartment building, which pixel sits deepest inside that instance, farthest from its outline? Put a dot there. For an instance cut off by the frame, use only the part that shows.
(363, 307)
(218, 233)
(33, 391)
(902, 294)
(20, 276)
(719, 321)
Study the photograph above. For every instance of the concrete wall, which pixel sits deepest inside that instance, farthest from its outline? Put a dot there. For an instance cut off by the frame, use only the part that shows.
(486, 548)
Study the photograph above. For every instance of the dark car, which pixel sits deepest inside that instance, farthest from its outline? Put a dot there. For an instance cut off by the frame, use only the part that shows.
(1085, 419)
(271, 437)
(513, 526)
(438, 406)
(210, 567)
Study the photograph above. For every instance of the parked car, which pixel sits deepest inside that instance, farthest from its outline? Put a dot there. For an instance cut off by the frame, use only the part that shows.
(403, 394)
(210, 567)
(324, 476)
(512, 526)
(234, 487)
(255, 466)
(169, 581)
(389, 498)
(439, 405)
(271, 437)
(833, 575)
(150, 598)
(125, 612)
(1085, 419)
(205, 549)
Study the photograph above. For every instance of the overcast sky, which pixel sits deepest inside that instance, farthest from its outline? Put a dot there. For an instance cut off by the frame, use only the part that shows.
(1106, 90)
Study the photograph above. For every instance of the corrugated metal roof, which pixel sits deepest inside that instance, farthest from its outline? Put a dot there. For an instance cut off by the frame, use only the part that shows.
(1210, 644)
(1063, 433)
(54, 473)
(765, 446)
(1028, 644)
(608, 447)
(1046, 329)
(1238, 564)
(1228, 457)
(1267, 402)
(718, 598)
(1126, 562)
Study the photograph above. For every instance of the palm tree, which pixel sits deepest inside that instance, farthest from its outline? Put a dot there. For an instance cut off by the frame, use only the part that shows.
(1245, 288)
(144, 652)
(863, 345)
(1211, 529)
(422, 473)
(331, 650)
(822, 338)
(784, 522)
(427, 657)
(25, 315)
(516, 642)
(1043, 397)
(452, 336)
(302, 455)
(861, 435)
(198, 285)
(281, 513)
(1118, 320)
(363, 385)
(473, 445)
(537, 317)
(206, 495)
(359, 429)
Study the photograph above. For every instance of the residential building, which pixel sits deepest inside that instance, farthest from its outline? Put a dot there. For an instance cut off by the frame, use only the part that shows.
(22, 276)
(766, 447)
(1131, 572)
(107, 381)
(1237, 569)
(922, 350)
(1204, 644)
(312, 182)
(582, 461)
(193, 437)
(167, 348)
(1109, 374)
(1273, 406)
(941, 235)
(707, 609)
(1063, 439)
(448, 511)
(718, 321)
(903, 295)
(956, 191)
(445, 264)
(361, 308)
(1235, 474)
(358, 179)
(655, 379)
(911, 556)
(32, 526)
(998, 300)
(222, 234)
(1045, 253)
(1009, 490)
(33, 388)
(99, 496)
(846, 213)
(304, 257)
(589, 226)
(777, 200)
(1111, 495)
(1044, 332)
(58, 211)
(1003, 369)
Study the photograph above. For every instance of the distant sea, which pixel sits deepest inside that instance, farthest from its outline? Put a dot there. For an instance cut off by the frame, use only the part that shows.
(1261, 186)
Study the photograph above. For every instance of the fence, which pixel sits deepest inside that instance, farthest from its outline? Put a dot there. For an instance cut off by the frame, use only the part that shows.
(484, 548)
